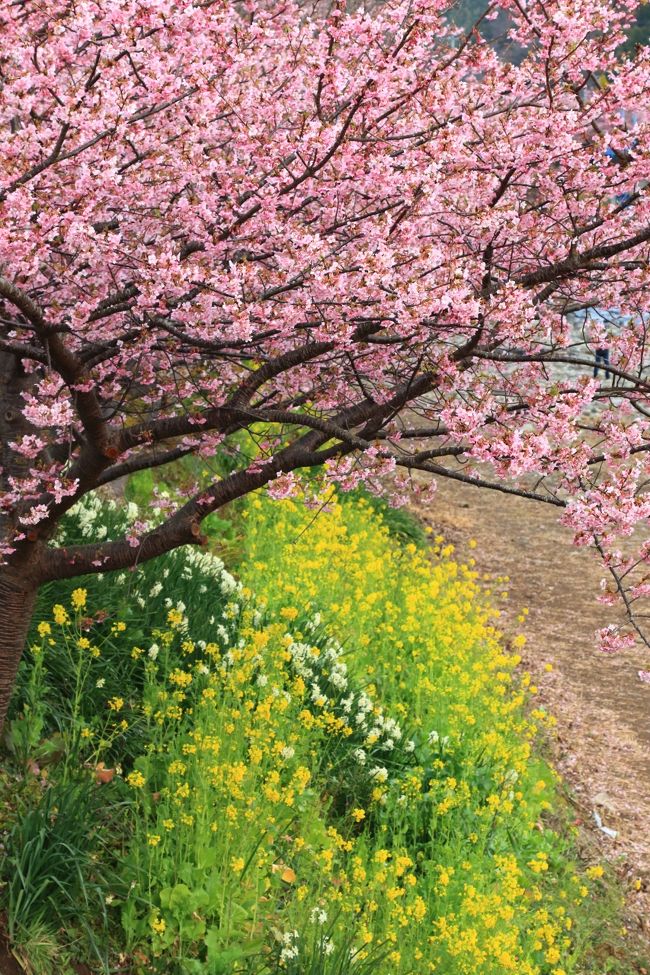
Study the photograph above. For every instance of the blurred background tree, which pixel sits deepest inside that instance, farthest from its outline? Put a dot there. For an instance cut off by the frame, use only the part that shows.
(466, 13)
(640, 33)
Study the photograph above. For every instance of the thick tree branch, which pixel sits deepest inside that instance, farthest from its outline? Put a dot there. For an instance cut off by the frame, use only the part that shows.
(142, 462)
(581, 261)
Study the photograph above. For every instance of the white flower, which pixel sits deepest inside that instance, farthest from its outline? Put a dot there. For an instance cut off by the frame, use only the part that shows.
(229, 584)
(365, 704)
(338, 676)
(100, 682)
(317, 694)
(392, 728)
(156, 589)
(409, 746)
(288, 752)
(379, 773)
(318, 915)
(153, 651)
(359, 756)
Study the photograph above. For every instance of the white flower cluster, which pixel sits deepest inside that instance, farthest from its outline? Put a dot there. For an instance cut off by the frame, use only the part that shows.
(223, 634)
(327, 946)
(436, 739)
(90, 513)
(318, 915)
(290, 950)
(326, 675)
(211, 568)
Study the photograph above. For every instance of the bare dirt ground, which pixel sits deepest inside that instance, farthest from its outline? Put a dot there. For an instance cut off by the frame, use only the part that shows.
(602, 741)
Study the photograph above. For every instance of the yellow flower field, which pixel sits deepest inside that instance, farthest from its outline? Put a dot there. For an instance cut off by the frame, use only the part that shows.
(327, 767)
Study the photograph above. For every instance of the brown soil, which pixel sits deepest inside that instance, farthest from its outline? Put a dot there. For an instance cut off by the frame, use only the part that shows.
(602, 742)
(8, 963)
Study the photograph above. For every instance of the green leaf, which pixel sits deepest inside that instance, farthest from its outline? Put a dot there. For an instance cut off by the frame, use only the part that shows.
(207, 857)
(193, 929)
(220, 959)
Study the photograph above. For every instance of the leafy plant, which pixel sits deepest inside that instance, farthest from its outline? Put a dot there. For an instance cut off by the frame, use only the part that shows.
(49, 871)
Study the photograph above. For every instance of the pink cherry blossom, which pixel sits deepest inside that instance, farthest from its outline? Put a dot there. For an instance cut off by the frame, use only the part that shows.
(334, 236)
(612, 640)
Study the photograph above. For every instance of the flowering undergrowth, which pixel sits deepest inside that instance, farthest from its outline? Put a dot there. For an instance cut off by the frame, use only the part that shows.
(325, 767)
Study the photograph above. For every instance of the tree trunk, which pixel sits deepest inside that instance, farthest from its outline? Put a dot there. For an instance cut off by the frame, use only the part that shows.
(17, 597)
(18, 581)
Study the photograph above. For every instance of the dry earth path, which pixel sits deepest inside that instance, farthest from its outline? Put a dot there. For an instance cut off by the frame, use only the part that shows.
(602, 744)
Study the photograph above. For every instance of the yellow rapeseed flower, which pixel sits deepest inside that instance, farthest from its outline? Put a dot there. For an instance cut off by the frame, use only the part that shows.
(78, 599)
(157, 924)
(594, 872)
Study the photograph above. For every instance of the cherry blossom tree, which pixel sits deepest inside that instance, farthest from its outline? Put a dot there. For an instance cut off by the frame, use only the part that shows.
(352, 229)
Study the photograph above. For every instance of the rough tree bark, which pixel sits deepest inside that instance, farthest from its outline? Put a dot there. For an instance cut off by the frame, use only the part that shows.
(18, 584)
(17, 597)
